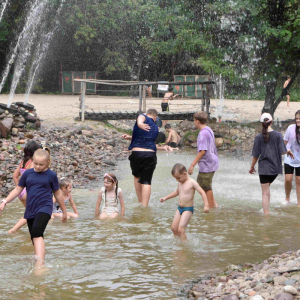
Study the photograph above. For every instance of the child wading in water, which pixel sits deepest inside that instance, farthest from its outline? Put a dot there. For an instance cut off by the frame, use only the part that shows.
(186, 192)
(65, 185)
(112, 196)
(25, 164)
(40, 183)
(267, 150)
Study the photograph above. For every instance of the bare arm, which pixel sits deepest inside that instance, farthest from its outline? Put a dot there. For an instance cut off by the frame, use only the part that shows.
(140, 123)
(97, 211)
(169, 137)
(195, 161)
(59, 198)
(203, 195)
(12, 195)
(126, 136)
(172, 195)
(254, 161)
(122, 203)
(16, 175)
(73, 205)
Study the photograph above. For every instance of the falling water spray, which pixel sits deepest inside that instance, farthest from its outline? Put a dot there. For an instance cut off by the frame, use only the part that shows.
(3, 9)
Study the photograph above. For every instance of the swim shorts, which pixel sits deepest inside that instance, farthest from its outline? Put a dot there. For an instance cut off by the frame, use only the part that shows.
(173, 145)
(290, 170)
(267, 178)
(165, 106)
(205, 180)
(183, 209)
(37, 225)
(143, 164)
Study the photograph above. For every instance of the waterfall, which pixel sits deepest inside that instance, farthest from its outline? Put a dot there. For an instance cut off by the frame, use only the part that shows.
(3, 9)
(219, 88)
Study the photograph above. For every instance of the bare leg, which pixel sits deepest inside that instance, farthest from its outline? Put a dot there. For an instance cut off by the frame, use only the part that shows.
(18, 225)
(184, 221)
(288, 178)
(146, 192)
(211, 200)
(288, 100)
(103, 216)
(298, 189)
(266, 195)
(138, 189)
(175, 223)
(114, 215)
(39, 250)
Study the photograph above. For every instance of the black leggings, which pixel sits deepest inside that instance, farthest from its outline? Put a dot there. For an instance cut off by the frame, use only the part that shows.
(37, 225)
(290, 170)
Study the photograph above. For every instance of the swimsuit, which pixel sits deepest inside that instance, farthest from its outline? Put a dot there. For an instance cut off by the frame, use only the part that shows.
(173, 144)
(183, 209)
(56, 208)
(22, 171)
(111, 204)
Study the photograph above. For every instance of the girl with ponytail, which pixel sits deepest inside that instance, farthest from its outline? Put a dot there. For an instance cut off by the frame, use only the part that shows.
(267, 150)
(292, 162)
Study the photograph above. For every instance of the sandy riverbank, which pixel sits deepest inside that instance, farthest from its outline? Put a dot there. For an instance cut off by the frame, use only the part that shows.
(62, 109)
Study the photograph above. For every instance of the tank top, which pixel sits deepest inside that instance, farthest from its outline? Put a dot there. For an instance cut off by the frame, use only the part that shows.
(144, 139)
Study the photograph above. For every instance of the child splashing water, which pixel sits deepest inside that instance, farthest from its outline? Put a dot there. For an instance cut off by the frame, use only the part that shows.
(25, 164)
(112, 196)
(40, 183)
(65, 185)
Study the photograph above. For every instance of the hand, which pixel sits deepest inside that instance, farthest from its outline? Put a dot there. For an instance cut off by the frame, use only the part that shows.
(206, 209)
(290, 153)
(144, 126)
(64, 218)
(252, 170)
(2, 205)
(191, 169)
(163, 199)
(125, 136)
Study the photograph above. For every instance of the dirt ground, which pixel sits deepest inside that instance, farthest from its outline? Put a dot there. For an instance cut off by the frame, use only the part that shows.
(62, 109)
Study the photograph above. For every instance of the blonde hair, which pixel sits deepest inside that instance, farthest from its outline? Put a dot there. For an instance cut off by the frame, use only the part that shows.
(43, 154)
(64, 182)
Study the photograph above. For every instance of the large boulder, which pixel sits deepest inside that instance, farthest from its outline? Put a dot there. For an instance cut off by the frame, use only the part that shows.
(5, 127)
(219, 142)
(284, 296)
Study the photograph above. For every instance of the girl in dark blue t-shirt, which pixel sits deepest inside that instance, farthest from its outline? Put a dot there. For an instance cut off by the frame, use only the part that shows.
(41, 183)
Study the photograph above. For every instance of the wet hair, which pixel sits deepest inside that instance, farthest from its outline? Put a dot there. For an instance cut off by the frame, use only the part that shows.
(44, 153)
(201, 117)
(167, 126)
(29, 150)
(64, 182)
(170, 89)
(178, 168)
(297, 128)
(265, 124)
(161, 138)
(152, 112)
(115, 180)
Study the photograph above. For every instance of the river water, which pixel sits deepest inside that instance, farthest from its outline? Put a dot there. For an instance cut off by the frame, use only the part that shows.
(138, 258)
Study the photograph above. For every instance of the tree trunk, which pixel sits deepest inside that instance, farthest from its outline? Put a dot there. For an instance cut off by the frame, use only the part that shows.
(269, 105)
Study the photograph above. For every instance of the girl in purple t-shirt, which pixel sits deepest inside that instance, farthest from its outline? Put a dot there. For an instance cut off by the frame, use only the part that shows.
(40, 183)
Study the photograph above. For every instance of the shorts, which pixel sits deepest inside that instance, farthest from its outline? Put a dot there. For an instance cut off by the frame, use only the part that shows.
(290, 170)
(267, 178)
(287, 93)
(165, 106)
(173, 145)
(183, 209)
(143, 164)
(22, 194)
(37, 225)
(205, 180)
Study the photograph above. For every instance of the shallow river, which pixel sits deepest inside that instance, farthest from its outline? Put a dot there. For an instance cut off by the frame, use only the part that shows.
(138, 258)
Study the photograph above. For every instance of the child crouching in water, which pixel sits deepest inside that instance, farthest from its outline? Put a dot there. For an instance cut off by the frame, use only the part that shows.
(186, 192)
(65, 185)
(40, 183)
(111, 195)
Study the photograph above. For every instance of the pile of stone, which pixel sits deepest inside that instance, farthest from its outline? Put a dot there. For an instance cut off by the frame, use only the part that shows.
(82, 154)
(17, 119)
(276, 278)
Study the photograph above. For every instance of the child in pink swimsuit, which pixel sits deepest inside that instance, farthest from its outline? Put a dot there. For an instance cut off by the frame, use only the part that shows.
(25, 164)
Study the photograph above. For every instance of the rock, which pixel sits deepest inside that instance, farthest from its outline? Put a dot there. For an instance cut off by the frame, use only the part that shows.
(290, 289)
(251, 293)
(257, 297)
(230, 297)
(15, 131)
(111, 143)
(5, 127)
(29, 135)
(284, 296)
(191, 138)
(109, 162)
(290, 281)
(30, 118)
(91, 177)
(279, 280)
(87, 133)
(219, 142)
(193, 145)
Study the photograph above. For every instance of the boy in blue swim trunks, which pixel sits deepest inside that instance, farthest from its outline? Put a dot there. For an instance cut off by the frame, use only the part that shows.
(186, 192)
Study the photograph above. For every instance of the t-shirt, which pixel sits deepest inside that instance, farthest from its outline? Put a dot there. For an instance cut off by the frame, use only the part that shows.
(142, 138)
(290, 137)
(40, 187)
(206, 141)
(269, 154)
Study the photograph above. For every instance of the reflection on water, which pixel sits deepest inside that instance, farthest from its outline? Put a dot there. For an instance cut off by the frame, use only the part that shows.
(138, 258)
